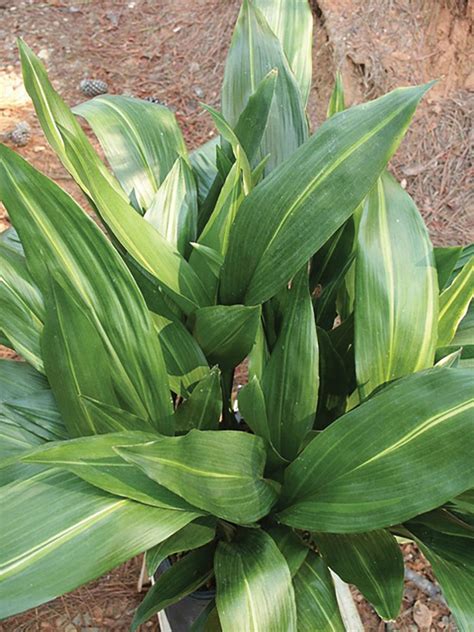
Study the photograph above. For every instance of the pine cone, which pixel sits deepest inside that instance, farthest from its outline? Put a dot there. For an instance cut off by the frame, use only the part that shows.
(21, 134)
(93, 87)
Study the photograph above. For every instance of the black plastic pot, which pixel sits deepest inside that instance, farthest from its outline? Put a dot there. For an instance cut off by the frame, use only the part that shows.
(183, 614)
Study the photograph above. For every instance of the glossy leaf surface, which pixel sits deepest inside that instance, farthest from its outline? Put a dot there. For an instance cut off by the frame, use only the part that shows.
(138, 237)
(51, 523)
(60, 239)
(454, 302)
(292, 23)
(203, 409)
(371, 561)
(219, 472)
(316, 603)
(254, 590)
(184, 577)
(173, 211)
(71, 346)
(404, 451)
(226, 333)
(198, 533)
(396, 289)
(320, 185)
(141, 142)
(95, 460)
(255, 50)
(290, 379)
(185, 361)
(21, 307)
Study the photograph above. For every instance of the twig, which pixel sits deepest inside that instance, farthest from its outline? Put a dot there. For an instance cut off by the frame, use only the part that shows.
(423, 584)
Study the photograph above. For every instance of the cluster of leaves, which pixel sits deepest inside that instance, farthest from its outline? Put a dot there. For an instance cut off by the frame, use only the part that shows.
(299, 252)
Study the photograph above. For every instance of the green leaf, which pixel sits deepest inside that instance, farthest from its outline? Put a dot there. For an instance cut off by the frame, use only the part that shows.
(16, 441)
(203, 162)
(248, 133)
(396, 289)
(337, 102)
(253, 408)
(316, 603)
(404, 451)
(292, 23)
(228, 134)
(71, 345)
(320, 185)
(255, 50)
(95, 460)
(141, 142)
(446, 259)
(291, 546)
(215, 234)
(28, 417)
(335, 382)
(185, 361)
(152, 251)
(253, 121)
(144, 243)
(254, 590)
(290, 379)
(173, 210)
(454, 302)
(208, 620)
(462, 342)
(226, 333)
(219, 472)
(10, 239)
(50, 524)
(109, 418)
(452, 561)
(61, 240)
(21, 307)
(55, 117)
(192, 536)
(452, 359)
(444, 521)
(19, 379)
(466, 255)
(203, 409)
(371, 561)
(38, 413)
(184, 577)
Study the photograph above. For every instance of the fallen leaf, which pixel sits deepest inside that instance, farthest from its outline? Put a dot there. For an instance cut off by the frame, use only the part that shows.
(422, 616)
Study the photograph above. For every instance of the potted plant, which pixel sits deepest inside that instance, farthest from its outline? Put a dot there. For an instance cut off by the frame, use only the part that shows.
(298, 252)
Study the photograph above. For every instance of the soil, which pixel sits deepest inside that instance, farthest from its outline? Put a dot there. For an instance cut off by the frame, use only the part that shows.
(175, 50)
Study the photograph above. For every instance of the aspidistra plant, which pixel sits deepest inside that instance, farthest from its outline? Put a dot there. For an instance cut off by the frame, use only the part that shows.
(297, 251)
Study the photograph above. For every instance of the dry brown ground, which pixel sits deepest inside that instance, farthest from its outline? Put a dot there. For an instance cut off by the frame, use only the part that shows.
(175, 50)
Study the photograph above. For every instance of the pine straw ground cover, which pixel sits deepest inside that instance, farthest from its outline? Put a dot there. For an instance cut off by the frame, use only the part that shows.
(174, 50)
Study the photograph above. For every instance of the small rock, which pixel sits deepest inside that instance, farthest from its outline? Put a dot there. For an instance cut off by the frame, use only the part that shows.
(70, 628)
(194, 67)
(113, 17)
(199, 92)
(44, 54)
